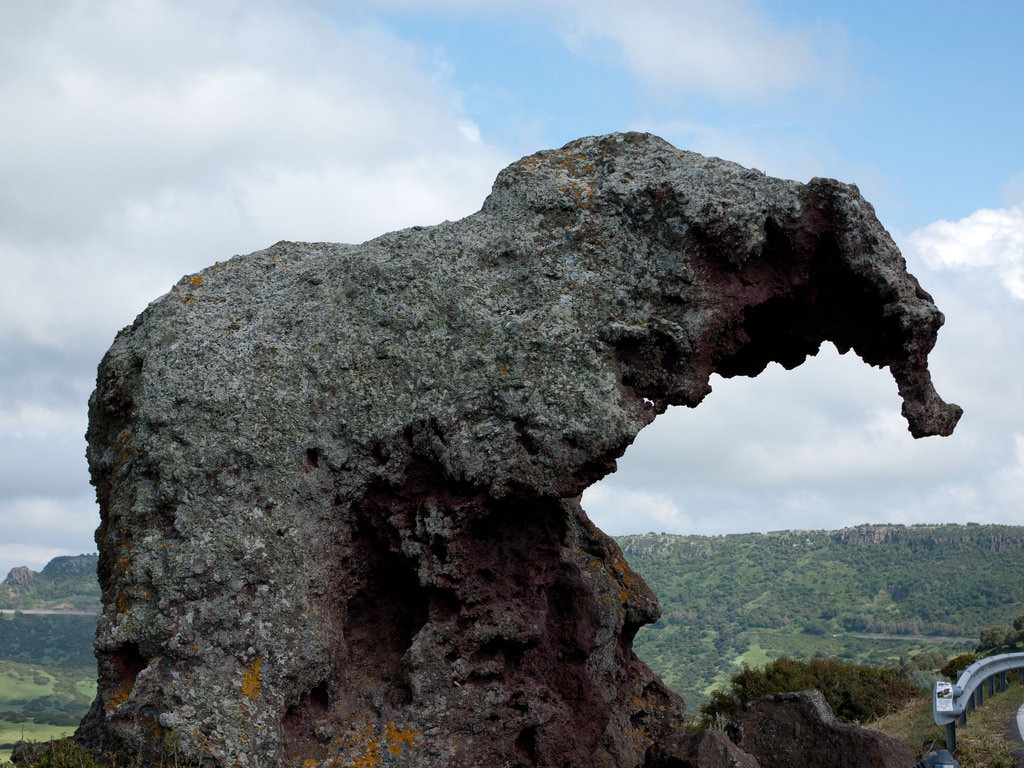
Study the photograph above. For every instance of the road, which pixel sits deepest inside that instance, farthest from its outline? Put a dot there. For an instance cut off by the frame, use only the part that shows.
(1019, 736)
(920, 638)
(54, 611)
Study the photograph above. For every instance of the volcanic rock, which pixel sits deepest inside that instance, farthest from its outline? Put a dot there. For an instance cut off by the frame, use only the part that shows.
(706, 749)
(338, 483)
(799, 730)
(20, 576)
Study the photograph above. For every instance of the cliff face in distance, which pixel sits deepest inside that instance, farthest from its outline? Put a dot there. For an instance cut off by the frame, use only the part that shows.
(338, 483)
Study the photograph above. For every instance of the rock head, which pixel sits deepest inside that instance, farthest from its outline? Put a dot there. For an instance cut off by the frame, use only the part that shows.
(338, 483)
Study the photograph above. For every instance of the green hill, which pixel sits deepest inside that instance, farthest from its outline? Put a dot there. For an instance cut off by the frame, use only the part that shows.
(67, 582)
(877, 594)
(47, 668)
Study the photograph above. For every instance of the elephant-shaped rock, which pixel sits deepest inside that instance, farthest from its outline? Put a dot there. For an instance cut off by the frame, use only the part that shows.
(339, 483)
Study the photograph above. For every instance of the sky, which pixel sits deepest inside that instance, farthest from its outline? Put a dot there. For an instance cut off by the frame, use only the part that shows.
(141, 140)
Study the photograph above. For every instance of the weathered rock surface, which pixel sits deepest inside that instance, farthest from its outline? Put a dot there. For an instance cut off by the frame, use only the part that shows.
(20, 576)
(337, 482)
(707, 749)
(799, 730)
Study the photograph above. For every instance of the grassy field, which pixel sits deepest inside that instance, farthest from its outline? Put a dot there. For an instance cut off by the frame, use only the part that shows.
(22, 684)
(31, 691)
(21, 681)
(12, 732)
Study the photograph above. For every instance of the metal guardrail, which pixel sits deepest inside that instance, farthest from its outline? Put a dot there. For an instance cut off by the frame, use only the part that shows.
(950, 701)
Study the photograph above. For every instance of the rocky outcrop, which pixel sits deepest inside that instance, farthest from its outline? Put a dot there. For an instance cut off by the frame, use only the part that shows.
(20, 576)
(706, 749)
(799, 730)
(338, 483)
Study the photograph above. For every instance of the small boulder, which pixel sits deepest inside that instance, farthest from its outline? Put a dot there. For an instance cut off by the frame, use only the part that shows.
(707, 749)
(799, 730)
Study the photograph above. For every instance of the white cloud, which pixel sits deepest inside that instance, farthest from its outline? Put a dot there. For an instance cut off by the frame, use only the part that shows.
(1009, 480)
(986, 239)
(1013, 190)
(37, 528)
(620, 511)
(143, 141)
(729, 48)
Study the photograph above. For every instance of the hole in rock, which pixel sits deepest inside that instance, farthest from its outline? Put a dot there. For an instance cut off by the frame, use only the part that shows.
(573, 617)
(128, 662)
(300, 718)
(313, 457)
(385, 614)
(444, 605)
(526, 745)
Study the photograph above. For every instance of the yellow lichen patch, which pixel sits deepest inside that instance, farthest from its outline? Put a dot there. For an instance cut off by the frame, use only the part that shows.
(366, 745)
(119, 695)
(195, 280)
(251, 680)
(399, 738)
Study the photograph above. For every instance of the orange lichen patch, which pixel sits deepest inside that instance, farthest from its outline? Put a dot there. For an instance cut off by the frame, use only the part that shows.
(627, 574)
(122, 602)
(123, 562)
(119, 695)
(367, 745)
(195, 280)
(251, 680)
(399, 738)
(122, 451)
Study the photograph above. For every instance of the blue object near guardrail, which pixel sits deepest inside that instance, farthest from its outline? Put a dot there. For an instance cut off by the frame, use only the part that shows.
(941, 759)
(950, 700)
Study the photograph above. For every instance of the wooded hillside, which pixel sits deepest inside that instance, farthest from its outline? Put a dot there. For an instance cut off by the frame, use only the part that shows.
(749, 598)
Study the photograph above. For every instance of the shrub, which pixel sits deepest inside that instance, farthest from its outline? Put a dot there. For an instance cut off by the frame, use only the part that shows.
(952, 668)
(62, 753)
(856, 693)
(991, 637)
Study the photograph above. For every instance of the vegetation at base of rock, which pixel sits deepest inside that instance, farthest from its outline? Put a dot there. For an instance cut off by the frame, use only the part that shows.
(857, 694)
(66, 753)
(873, 594)
(62, 753)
